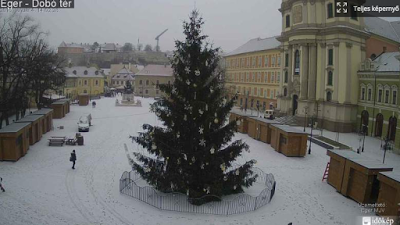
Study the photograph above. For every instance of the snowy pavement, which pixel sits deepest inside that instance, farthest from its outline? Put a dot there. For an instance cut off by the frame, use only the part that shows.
(41, 188)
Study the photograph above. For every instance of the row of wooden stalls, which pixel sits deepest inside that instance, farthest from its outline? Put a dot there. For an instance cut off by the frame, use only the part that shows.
(61, 108)
(16, 138)
(365, 180)
(284, 139)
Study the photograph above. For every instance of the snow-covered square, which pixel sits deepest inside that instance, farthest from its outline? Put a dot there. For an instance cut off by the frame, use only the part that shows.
(41, 188)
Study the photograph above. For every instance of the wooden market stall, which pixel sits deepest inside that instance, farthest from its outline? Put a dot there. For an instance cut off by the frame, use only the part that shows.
(48, 118)
(337, 165)
(288, 140)
(58, 108)
(14, 141)
(66, 105)
(243, 117)
(83, 99)
(389, 194)
(360, 179)
(36, 130)
(260, 129)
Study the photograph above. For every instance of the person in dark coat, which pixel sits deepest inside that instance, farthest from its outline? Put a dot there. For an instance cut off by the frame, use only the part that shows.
(73, 159)
(1, 186)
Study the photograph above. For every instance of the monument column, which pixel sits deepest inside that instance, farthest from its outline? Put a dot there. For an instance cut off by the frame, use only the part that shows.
(312, 81)
(304, 72)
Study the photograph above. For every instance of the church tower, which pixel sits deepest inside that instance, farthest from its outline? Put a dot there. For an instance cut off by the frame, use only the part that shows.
(321, 54)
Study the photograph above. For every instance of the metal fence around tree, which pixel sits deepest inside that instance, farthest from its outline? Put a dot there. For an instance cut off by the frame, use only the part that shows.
(179, 202)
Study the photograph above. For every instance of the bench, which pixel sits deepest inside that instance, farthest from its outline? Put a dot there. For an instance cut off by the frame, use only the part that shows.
(59, 141)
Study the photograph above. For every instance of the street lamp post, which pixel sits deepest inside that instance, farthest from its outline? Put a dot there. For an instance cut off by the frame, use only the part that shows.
(312, 126)
(305, 118)
(365, 127)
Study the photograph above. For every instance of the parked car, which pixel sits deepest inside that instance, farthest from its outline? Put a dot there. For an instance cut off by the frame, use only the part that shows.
(84, 123)
(269, 114)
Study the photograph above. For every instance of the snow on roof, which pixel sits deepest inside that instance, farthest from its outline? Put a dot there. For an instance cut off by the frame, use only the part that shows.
(14, 127)
(30, 118)
(255, 45)
(109, 47)
(156, 70)
(383, 28)
(348, 154)
(43, 111)
(388, 62)
(80, 72)
(288, 129)
(70, 45)
(370, 163)
(392, 175)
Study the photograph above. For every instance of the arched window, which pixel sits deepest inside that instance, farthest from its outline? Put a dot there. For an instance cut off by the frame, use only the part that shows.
(330, 78)
(297, 62)
(285, 92)
(328, 96)
(85, 82)
(364, 122)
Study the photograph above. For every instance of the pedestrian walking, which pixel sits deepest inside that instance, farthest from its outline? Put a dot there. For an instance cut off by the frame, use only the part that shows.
(73, 159)
(1, 185)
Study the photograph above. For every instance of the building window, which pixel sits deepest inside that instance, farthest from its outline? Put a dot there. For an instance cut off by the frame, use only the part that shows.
(247, 77)
(147, 91)
(147, 82)
(97, 83)
(285, 92)
(255, 92)
(253, 77)
(363, 94)
(330, 57)
(279, 61)
(157, 83)
(387, 96)
(140, 82)
(353, 14)
(394, 97)
(259, 77)
(278, 77)
(85, 82)
(273, 77)
(369, 94)
(265, 77)
(297, 62)
(330, 78)
(266, 61)
(330, 10)
(265, 93)
(328, 96)
(380, 92)
(273, 61)
(287, 21)
(286, 60)
(259, 61)
(286, 77)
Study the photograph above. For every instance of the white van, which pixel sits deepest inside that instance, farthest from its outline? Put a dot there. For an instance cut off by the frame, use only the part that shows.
(84, 123)
(269, 114)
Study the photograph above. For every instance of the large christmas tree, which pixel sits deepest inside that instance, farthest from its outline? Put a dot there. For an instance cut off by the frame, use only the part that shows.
(190, 154)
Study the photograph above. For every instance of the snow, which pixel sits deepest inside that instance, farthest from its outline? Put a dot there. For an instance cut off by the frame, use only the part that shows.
(41, 188)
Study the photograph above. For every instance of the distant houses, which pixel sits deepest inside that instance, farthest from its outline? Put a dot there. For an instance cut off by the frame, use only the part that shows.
(76, 48)
(147, 80)
(83, 80)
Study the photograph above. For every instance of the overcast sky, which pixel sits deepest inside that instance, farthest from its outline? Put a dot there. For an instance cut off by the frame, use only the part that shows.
(228, 23)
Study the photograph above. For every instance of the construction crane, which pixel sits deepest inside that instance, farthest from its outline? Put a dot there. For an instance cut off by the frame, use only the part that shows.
(158, 39)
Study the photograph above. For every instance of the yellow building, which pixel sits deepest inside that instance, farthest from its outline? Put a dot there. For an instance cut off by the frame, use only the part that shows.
(254, 71)
(147, 80)
(82, 79)
(321, 55)
(116, 68)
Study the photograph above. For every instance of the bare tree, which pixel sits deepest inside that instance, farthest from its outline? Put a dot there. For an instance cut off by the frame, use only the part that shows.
(148, 48)
(25, 61)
